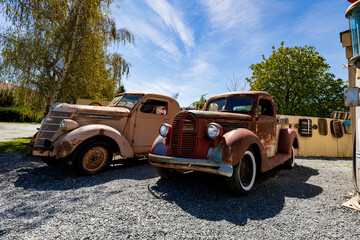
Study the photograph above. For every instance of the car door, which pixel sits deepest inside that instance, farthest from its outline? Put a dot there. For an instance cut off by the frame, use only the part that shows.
(149, 116)
(266, 126)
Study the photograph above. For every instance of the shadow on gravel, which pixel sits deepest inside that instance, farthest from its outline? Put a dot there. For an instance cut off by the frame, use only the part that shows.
(205, 196)
(45, 178)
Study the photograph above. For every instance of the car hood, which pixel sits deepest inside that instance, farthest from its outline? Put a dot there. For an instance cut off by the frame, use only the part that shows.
(97, 110)
(221, 115)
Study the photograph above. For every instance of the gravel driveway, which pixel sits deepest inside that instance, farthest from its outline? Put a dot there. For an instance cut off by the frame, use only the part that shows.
(131, 201)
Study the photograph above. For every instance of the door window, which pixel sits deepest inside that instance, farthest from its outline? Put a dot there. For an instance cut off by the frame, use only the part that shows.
(265, 108)
(155, 107)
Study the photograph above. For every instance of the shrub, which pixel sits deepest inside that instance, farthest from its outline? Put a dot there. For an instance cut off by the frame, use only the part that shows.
(16, 114)
(7, 98)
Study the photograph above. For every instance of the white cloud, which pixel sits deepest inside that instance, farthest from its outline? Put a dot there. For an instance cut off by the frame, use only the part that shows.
(200, 70)
(232, 13)
(188, 91)
(173, 19)
(144, 31)
(190, 83)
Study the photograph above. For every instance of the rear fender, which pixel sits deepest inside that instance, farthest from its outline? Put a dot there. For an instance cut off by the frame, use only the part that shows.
(74, 138)
(237, 142)
(287, 139)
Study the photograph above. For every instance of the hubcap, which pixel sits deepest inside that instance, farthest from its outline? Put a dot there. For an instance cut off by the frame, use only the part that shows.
(246, 171)
(95, 159)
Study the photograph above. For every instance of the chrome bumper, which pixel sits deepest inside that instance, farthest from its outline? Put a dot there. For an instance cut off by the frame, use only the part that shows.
(202, 165)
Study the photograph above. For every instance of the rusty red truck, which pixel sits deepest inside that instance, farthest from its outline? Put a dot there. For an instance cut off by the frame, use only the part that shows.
(236, 135)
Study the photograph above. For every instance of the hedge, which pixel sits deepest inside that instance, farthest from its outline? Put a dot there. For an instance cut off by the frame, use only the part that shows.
(15, 114)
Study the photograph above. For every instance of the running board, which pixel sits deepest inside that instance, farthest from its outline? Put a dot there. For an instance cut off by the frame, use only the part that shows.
(279, 158)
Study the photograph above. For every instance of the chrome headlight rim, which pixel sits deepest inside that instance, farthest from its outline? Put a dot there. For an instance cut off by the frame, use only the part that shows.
(62, 125)
(213, 130)
(164, 129)
(68, 125)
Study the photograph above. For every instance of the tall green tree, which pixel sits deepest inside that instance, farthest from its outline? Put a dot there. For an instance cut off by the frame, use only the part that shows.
(57, 50)
(299, 80)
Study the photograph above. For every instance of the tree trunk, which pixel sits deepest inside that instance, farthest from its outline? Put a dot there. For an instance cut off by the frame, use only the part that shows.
(59, 83)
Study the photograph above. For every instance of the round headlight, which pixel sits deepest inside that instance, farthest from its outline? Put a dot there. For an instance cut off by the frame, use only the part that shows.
(214, 130)
(62, 125)
(68, 124)
(164, 129)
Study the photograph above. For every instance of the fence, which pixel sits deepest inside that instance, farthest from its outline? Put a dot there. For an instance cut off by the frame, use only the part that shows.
(325, 137)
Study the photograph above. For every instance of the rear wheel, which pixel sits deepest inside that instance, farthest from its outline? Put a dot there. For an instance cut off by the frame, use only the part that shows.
(51, 161)
(290, 164)
(92, 157)
(243, 179)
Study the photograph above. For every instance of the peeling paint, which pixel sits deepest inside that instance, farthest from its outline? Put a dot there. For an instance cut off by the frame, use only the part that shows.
(161, 149)
(215, 153)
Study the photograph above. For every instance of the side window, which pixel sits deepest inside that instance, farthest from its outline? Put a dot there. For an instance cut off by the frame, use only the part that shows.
(155, 107)
(265, 108)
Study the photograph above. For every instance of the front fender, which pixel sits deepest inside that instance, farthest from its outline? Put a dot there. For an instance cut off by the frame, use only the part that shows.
(74, 138)
(159, 146)
(233, 146)
(287, 138)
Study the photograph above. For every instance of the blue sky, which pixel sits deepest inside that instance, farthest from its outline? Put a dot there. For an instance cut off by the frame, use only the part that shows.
(193, 47)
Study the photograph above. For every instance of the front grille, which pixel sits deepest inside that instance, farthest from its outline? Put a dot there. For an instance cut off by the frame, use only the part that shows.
(184, 135)
(50, 126)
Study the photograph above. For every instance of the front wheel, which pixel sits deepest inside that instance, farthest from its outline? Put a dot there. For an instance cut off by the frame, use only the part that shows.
(242, 181)
(92, 158)
(290, 163)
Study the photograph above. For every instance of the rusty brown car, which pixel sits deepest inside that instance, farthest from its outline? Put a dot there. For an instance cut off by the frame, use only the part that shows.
(89, 136)
(237, 135)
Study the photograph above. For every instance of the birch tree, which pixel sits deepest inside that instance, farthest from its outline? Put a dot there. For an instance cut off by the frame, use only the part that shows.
(58, 50)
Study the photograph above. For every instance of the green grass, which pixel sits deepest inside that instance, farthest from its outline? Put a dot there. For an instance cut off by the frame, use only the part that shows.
(14, 146)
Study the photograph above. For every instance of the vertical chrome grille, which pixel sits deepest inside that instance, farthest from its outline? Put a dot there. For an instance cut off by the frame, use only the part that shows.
(184, 135)
(50, 126)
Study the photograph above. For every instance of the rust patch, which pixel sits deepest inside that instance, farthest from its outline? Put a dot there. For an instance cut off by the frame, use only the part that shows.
(64, 148)
(101, 131)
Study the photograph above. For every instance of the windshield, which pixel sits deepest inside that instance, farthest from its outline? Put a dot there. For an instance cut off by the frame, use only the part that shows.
(125, 101)
(240, 104)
